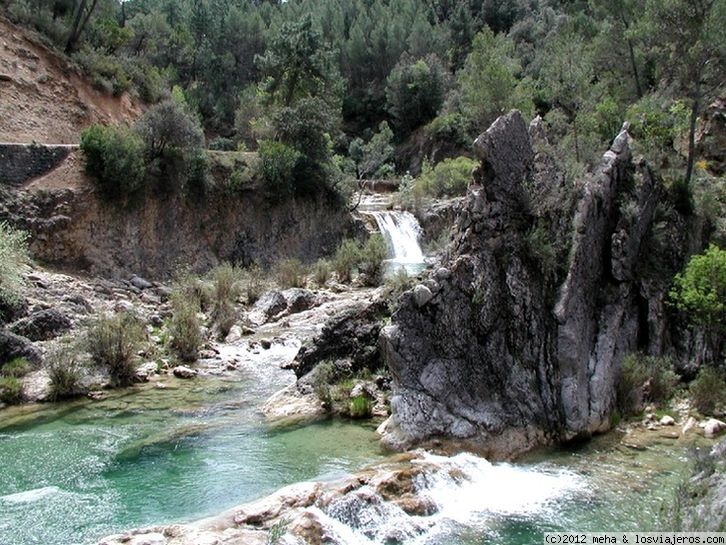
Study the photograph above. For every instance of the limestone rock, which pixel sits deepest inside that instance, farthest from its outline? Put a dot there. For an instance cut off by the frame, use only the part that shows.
(298, 300)
(667, 420)
(422, 295)
(14, 346)
(269, 305)
(42, 325)
(182, 371)
(713, 427)
(140, 283)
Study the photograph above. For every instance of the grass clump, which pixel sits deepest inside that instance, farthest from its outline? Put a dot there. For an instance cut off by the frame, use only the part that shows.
(321, 272)
(290, 273)
(397, 283)
(346, 259)
(65, 369)
(360, 407)
(226, 290)
(112, 342)
(11, 390)
(185, 329)
(644, 379)
(17, 368)
(253, 283)
(372, 255)
(708, 390)
(13, 255)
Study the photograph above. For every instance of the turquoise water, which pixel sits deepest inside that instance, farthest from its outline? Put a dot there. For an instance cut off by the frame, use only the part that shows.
(72, 473)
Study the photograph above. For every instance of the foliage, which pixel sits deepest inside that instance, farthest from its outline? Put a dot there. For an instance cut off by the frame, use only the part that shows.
(253, 283)
(346, 259)
(371, 257)
(65, 370)
(17, 368)
(114, 159)
(226, 289)
(112, 341)
(700, 290)
(360, 407)
(415, 91)
(185, 329)
(449, 178)
(644, 379)
(321, 272)
(397, 283)
(290, 273)
(375, 158)
(11, 390)
(278, 162)
(13, 255)
(708, 390)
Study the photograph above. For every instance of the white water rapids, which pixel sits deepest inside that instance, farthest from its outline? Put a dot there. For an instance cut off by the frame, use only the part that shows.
(402, 234)
(468, 492)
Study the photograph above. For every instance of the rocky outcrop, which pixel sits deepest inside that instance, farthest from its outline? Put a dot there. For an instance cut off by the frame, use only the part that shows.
(22, 162)
(352, 334)
(72, 228)
(513, 348)
(14, 346)
(42, 325)
(711, 137)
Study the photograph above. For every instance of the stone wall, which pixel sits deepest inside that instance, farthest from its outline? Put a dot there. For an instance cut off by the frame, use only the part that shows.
(20, 163)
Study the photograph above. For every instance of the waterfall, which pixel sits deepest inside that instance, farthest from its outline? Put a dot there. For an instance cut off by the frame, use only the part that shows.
(401, 232)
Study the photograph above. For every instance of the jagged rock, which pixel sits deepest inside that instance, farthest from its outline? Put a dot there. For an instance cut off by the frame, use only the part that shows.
(502, 357)
(269, 305)
(351, 334)
(182, 371)
(299, 299)
(711, 137)
(12, 310)
(42, 325)
(14, 346)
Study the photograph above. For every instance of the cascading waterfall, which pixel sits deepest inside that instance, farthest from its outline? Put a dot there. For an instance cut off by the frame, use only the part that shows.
(402, 233)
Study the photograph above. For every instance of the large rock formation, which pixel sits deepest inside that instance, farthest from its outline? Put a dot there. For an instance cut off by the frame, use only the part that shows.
(537, 304)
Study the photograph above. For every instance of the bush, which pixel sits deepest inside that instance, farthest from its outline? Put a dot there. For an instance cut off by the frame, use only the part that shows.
(226, 289)
(11, 391)
(113, 342)
(114, 159)
(321, 272)
(17, 368)
(681, 196)
(449, 178)
(322, 377)
(254, 283)
(360, 407)
(346, 259)
(290, 273)
(644, 379)
(451, 128)
(185, 329)
(708, 391)
(66, 370)
(397, 283)
(13, 255)
(278, 162)
(372, 255)
(192, 288)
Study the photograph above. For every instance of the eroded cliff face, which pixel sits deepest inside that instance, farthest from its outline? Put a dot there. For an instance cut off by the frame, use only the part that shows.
(72, 228)
(541, 296)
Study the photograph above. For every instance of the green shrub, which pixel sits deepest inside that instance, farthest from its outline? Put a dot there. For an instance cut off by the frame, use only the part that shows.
(321, 272)
(360, 407)
(278, 162)
(112, 342)
(397, 283)
(65, 369)
(681, 196)
(322, 377)
(191, 287)
(372, 255)
(254, 283)
(17, 368)
(708, 391)
(226, 289)
(346, 259)
(185, 329)
(290, 273)
(451, 128)
(11, 391)
(449, 178)
(114, 159)
(644, 379)
(13, 255)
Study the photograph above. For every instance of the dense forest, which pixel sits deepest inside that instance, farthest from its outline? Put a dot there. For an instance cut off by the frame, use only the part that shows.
(364, 88)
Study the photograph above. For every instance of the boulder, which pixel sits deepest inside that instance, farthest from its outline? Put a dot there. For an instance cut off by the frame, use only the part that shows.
(667, 420)
(14, 346)
(182, 371)
(713, 427)
(140, 283)
(299, 299)
(267, 307)
(422, 295)
(42, 325)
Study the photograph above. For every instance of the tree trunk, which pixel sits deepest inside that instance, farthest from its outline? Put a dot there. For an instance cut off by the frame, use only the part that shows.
(634, 67)
(79, 23)
(692, 140)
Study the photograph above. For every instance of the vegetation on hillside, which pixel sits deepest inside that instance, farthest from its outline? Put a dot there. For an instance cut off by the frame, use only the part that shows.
(327, 88)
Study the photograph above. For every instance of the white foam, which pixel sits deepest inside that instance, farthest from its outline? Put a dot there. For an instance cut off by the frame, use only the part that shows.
(29, 496)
